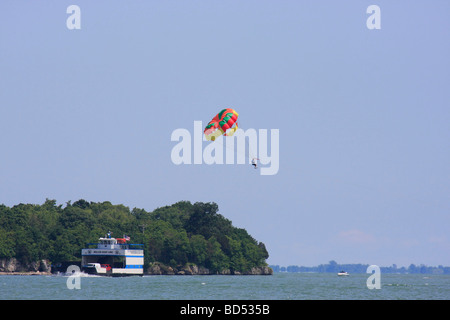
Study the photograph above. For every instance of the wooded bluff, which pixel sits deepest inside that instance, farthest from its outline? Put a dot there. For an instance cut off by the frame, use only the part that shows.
(182, 236)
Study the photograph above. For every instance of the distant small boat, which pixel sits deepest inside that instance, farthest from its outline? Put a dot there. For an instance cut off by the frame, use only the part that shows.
(342, 273)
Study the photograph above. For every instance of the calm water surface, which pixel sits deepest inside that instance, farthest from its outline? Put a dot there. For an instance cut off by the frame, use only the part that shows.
(280, 286)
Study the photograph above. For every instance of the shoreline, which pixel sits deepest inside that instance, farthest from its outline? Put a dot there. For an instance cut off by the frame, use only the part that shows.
(26, 273)
(37, 273)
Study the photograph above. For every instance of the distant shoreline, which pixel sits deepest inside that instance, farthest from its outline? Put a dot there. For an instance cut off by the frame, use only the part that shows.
(333, 267)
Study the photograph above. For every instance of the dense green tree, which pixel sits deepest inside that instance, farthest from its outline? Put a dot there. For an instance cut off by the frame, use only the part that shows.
(198, 253)
(6, 244)
(216, 260)
(173, 235)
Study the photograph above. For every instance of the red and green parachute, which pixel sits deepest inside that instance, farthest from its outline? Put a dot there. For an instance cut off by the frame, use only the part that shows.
(224, 123)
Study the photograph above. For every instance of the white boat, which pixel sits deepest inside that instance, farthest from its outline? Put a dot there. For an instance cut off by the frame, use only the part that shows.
(113, 257)
(342, 273)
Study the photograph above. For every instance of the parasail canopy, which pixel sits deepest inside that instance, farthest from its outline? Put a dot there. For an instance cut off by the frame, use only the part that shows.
(224, 123)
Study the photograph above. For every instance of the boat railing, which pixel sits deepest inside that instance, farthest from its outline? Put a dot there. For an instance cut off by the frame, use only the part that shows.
(120, 245)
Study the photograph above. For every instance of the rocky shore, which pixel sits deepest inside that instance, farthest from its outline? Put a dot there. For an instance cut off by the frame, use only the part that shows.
(13, 266)
(161, 269)
(31, 273)
(43, 267)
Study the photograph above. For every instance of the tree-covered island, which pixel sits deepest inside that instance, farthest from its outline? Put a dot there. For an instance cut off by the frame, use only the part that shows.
(177, 239)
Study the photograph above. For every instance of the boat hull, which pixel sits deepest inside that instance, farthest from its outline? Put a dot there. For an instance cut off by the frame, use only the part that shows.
(113, 272)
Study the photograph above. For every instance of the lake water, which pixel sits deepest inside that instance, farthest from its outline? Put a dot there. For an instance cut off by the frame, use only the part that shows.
(280, 286)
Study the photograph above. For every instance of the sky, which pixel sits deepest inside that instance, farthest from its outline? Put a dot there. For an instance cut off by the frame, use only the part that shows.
(363, 116)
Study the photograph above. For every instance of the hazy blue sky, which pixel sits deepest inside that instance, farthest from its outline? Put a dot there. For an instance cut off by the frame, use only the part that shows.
(363, 116)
